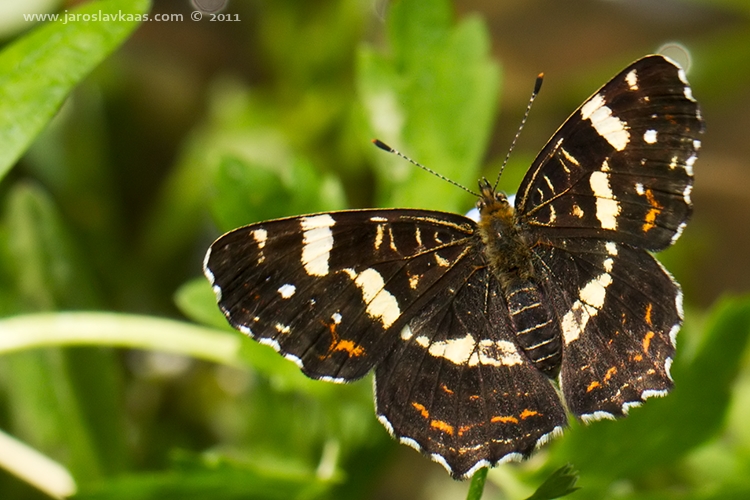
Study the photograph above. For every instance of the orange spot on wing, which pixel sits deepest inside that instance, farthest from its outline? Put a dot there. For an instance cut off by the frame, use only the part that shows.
(349, 347)
(445, 388)
(528, 413)
(421, 409)
(652, 213)
(474, 397)
(442, 426)
(638, 357)
(649, 224)
(647, 341)
(463, 429)
(593, 385)
(647, 317)
(504, 420)
(651, 200)
(609, 373)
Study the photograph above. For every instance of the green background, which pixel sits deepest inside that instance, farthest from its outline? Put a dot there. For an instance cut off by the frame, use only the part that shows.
(126, 147)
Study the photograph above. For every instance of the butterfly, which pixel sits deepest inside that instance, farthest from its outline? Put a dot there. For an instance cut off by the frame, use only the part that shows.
(483, 334)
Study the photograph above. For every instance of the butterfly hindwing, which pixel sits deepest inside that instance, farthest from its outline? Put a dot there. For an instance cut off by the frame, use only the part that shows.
(458, 387)
(618, 324)
(621, 167)
(329, 290)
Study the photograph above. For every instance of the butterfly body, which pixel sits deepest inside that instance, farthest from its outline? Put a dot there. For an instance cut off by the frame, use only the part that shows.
(473, 327)
(508, 253)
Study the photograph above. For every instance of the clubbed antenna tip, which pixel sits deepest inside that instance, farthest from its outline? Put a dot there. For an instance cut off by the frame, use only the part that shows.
(538, 83)
(382, 145)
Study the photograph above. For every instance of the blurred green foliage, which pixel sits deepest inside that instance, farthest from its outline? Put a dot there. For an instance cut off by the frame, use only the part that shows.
(87, 225)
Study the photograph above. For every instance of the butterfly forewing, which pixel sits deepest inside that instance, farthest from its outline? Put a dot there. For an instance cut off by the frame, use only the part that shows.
(467, 325)
(325, 290)
(620, 168)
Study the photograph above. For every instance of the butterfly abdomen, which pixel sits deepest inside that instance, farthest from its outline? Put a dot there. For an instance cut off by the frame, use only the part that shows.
(537, 331)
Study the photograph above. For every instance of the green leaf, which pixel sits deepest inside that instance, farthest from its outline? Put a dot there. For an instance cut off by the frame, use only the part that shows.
(46, 410)
(70, 158)
(39, 70)
(668, 428)
(47, 268)
(243, 168)
(219, 481)
(61, 401)
(476, 488)
(560, 483)
(197, 301)
(433, 98)
(248, 190)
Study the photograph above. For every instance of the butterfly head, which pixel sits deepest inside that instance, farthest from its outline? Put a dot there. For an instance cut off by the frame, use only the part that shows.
(492, 202)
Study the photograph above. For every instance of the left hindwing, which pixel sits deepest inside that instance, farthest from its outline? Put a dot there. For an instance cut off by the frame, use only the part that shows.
(619, 312)
(331, 291)
(621, 167)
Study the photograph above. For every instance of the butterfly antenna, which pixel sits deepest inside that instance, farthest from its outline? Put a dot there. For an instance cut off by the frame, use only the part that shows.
(537, 86)
(386, 147)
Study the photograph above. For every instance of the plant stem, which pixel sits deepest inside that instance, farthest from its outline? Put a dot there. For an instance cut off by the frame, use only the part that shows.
(118, 330)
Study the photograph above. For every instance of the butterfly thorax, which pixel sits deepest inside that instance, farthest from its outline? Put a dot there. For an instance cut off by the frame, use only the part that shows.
(509, 257)
(505, 247)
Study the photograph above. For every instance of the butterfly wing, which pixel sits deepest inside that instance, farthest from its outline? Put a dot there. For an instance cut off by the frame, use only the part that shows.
(612, 183)
(621, 167)
(332, 291)
(618, 324)
(457, 386)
